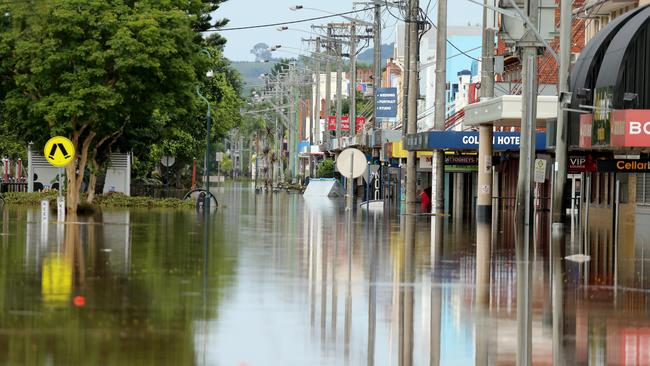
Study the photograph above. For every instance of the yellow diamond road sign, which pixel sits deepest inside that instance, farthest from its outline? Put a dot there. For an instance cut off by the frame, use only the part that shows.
(59, 151)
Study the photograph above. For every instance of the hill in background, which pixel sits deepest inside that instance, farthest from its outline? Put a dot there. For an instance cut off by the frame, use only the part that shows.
(251, 71)
(367, 56)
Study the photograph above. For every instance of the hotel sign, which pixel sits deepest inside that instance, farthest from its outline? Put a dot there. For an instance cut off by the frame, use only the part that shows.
(467, 140)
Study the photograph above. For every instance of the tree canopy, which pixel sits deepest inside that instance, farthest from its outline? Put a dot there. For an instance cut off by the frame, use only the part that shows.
(118, 72)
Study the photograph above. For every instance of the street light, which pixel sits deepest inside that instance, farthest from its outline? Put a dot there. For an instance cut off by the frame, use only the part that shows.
(206, 203)
(355, 20)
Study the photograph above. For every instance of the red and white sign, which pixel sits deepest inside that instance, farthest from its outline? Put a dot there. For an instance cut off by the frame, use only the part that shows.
(585, 130)
(630, 128)
(360, 122)
(345, 123)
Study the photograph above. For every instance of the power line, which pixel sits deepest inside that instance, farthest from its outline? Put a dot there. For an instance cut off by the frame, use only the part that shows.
(429, 21)
(391, 13)
(288, 22)
(451, 43)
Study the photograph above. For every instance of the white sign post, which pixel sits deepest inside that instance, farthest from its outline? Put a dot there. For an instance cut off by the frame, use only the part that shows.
(60, 200)
(60, 209)
(45, 218)
(45, 210)
(540, 170)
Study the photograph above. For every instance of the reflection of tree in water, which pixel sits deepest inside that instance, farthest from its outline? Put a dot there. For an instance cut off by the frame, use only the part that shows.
(146, 315)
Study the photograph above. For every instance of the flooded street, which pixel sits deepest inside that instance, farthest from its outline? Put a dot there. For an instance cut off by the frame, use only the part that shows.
(273, 280)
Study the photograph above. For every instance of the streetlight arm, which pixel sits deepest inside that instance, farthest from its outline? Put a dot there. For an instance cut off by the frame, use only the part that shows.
(198, 92)
(354, 20)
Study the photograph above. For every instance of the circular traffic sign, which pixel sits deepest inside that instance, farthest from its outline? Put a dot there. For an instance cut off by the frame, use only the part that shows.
(352, 163)
(167, 161)
(59, 151)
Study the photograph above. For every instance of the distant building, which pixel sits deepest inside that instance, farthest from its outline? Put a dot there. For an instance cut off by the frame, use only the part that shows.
(463, 49)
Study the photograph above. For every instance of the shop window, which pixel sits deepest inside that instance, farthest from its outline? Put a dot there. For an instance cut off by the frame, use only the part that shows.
(624, 190)
(609, 189)
(593, 190)
(602, 188)
(643, 189)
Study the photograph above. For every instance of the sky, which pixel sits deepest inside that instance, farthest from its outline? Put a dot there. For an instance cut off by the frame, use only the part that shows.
(253, 12)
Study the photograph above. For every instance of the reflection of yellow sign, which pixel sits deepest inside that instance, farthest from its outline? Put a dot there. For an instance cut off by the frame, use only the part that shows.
(56, 281)
(59, 151)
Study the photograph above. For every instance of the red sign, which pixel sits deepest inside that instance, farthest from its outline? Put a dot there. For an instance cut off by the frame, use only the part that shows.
(360, 122)
(630, 128)
(331, 123)
(585, 130)
(345, 123)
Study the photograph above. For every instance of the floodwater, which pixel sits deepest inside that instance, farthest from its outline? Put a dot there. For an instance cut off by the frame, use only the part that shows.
(270, 279)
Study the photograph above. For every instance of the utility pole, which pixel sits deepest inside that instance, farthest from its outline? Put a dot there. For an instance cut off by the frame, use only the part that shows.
(293, 123)
(352, 118)
(558, 207)
(328, 87)
(562, 117)
(484, 198)
(376, 74)
(528, 47)
(412, 105)
(316, 119)
(438, 181)
(278, 135)
(405, 77)
(484, 194)
(406, 327)
(339, 90)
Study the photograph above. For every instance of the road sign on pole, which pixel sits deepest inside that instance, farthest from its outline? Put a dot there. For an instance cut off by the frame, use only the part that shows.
(540, 170)
(59, 151)
(352, 164)
(167, 161)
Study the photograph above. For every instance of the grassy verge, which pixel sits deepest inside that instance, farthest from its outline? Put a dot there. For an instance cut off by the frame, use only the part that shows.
(115, 200)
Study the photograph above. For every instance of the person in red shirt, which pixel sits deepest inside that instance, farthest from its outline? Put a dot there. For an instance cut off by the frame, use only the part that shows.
(425, 200)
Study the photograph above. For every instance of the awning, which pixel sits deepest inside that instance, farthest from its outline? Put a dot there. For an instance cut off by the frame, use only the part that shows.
(505, 111)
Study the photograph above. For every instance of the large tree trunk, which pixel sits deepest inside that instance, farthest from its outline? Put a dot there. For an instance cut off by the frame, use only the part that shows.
(75, 170)
(92, 182)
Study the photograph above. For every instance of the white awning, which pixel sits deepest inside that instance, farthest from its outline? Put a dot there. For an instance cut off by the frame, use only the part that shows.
(505, 111)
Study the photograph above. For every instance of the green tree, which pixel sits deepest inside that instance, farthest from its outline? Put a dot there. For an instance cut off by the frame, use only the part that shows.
(226, 165)
(88, 69)
(325, 169)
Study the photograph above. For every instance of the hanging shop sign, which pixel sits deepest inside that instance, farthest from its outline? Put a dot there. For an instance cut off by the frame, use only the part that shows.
(576, 164)
(345, 123)
(386, 103)
(630, 128)
(600, 129)
(467, 140)
(586, 121)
